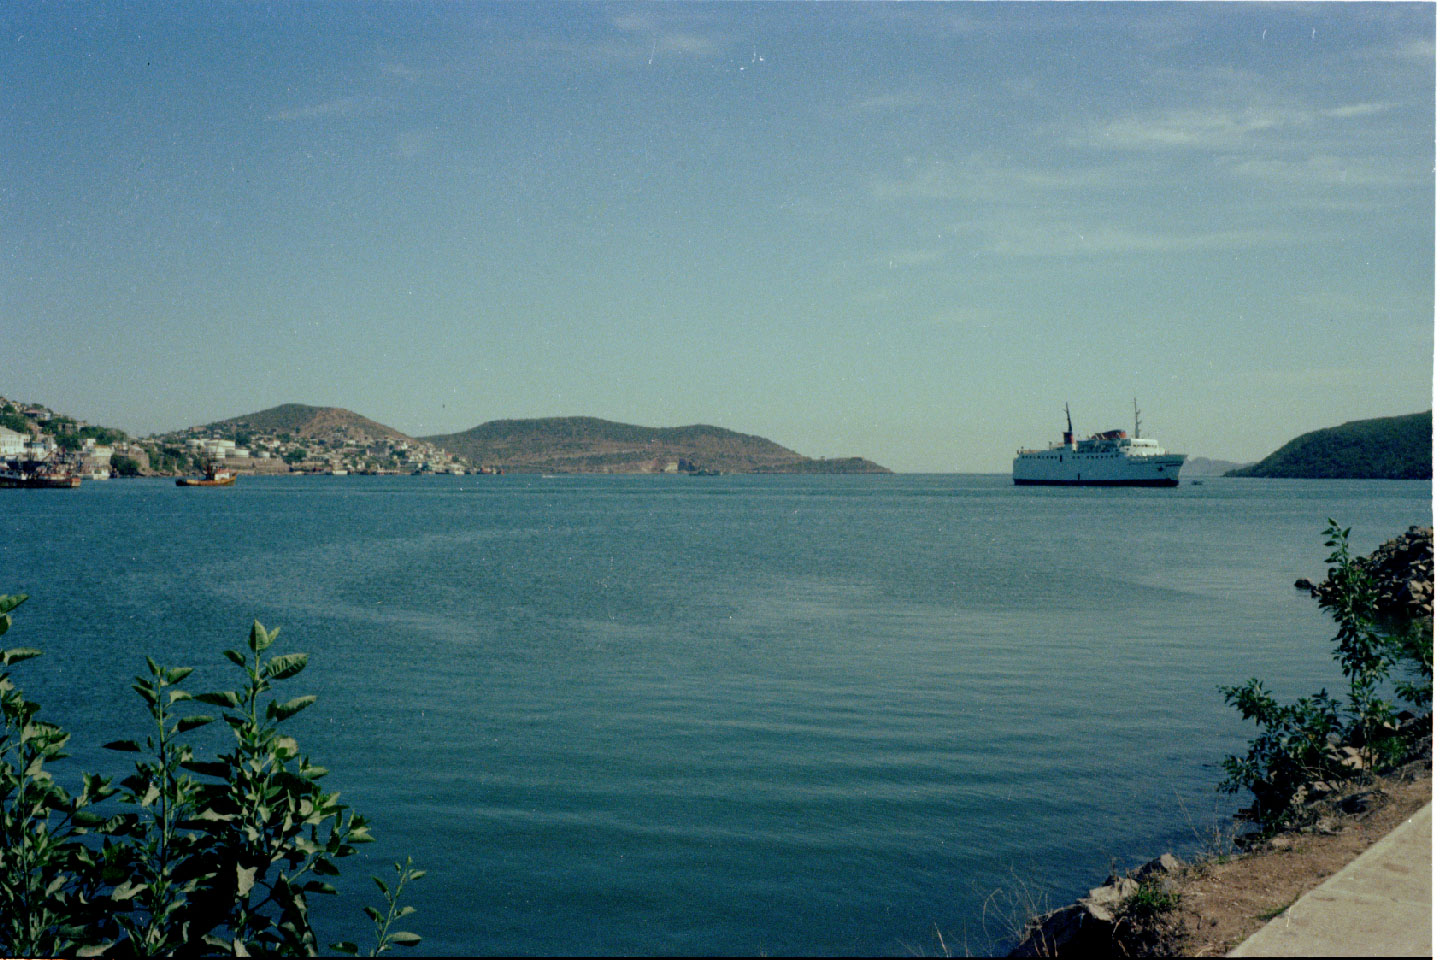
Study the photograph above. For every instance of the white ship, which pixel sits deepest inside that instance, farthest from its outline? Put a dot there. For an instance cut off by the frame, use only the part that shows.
(1109, 459)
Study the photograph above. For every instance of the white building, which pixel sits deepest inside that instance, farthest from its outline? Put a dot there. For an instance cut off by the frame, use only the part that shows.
(12, 444)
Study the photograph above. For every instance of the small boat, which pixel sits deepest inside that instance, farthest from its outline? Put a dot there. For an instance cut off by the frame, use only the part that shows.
(214, 477)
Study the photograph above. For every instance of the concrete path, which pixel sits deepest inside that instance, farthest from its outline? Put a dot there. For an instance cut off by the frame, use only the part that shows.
(1377, 906)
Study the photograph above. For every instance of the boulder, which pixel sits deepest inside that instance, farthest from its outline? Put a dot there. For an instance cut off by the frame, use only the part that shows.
(1165, 864)
(1110, 896)
(1080, 928)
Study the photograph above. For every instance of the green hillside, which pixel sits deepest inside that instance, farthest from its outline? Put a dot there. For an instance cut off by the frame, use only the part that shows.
(1386, 448)
(592, 445)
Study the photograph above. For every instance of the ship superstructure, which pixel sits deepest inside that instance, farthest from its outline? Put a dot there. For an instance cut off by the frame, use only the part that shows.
(1110, 459)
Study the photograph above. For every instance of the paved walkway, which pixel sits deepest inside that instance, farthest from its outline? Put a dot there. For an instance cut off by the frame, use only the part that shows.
(1377, 906)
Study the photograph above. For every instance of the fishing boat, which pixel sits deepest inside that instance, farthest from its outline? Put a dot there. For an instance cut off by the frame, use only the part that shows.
(214, 477)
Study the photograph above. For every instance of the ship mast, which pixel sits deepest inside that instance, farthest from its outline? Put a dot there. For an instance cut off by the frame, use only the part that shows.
(1069, 428)
(1135, 402)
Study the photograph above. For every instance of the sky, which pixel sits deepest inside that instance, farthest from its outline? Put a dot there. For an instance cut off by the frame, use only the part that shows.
(910, 232)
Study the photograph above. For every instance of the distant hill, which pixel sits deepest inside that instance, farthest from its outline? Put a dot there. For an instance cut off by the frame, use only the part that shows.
(1386, 448)
(304, 422)
(1205, 467)
(592, 445)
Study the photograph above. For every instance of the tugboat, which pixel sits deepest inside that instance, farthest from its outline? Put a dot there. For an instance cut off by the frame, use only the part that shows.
(1109, 459)
(39, 474)
(214, 477)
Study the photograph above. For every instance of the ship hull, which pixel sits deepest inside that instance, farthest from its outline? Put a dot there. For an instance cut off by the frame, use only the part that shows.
(40, 483)
(1161, 482)
(1069, 468)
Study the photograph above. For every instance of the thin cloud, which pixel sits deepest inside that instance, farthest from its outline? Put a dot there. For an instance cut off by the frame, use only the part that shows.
(666, 38)
(888, 102)
(1074, 239)
(1413, 50)
(989, 178)
(1330, 171)
(1358, 110)
(338, 108)
(1214, 128)
(910, 257)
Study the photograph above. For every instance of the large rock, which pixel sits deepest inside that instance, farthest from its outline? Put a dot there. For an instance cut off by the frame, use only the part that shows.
(1082, 927)
(1404, 574)
(1166, 864)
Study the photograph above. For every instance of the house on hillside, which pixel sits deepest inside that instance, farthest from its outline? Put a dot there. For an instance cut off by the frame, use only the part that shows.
(12, 444)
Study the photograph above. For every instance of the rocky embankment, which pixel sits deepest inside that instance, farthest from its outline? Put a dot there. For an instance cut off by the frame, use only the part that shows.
(1404, 574)
(1206, 907)
(1103, 921)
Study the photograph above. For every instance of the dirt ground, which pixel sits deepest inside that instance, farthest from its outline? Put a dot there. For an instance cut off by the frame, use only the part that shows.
(1225, 899)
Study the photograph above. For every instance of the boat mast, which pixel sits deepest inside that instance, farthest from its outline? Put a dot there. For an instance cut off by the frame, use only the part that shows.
(1136, 404)
(1069, 428)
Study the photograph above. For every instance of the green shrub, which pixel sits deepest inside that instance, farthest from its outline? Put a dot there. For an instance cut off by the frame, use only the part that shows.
(1302, 742)
(1150, 900)
(185, 855)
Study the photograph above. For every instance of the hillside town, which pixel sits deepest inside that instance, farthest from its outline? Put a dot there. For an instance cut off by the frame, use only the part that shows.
(336, 454)
(37, 442)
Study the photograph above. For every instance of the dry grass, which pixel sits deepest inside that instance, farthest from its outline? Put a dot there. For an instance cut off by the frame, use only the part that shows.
(1224, 901)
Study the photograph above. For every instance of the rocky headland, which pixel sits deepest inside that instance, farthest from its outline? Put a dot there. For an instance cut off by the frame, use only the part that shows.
(1382, 448)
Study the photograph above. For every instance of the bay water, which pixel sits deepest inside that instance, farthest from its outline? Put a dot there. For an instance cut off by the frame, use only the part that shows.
(783, 715)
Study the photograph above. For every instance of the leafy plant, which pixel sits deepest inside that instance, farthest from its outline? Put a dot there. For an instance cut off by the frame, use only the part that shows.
(1302, 742)
(202, 856)
(48, 877)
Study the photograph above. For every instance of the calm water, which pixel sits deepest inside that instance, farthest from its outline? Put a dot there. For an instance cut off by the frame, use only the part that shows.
(685, 715)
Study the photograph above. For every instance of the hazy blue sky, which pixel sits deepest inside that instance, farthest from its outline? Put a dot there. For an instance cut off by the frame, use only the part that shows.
(909, 232)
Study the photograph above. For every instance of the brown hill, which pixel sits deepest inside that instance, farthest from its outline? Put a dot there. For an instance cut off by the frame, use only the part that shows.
(592, 445)
(306, 423)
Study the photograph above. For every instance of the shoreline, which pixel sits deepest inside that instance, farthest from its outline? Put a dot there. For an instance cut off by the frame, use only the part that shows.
(1210, 905)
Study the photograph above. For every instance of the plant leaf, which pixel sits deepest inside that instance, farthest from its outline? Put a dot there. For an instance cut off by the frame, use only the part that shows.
(222, 698)
(288, 709)
(283, 668)
(187, 724)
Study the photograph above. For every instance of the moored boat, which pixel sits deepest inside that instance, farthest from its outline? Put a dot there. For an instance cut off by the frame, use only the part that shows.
(214, 477)
(39, 474)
